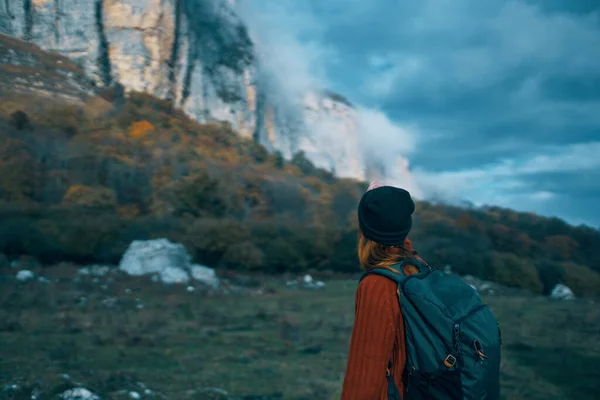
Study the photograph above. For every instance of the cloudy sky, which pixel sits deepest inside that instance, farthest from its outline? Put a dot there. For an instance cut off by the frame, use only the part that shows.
(498, 101)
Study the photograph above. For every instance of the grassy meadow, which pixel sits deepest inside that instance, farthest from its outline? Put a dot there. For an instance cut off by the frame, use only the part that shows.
(120, 334)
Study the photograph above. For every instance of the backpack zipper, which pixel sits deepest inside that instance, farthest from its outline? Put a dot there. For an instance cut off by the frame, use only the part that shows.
(474, 311)
(456, 331)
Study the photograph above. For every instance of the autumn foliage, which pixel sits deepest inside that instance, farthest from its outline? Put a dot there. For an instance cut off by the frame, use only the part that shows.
(79, 184)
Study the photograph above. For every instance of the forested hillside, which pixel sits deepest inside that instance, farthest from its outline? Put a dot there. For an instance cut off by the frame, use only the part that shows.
(79, 183)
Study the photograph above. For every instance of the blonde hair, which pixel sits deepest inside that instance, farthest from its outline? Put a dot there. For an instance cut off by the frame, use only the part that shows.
(374, 255)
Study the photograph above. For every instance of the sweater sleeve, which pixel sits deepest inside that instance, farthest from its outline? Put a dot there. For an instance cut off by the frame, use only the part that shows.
(372, 340)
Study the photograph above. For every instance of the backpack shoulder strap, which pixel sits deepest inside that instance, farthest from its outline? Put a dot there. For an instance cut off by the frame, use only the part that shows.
(396, 277)
(399, 276)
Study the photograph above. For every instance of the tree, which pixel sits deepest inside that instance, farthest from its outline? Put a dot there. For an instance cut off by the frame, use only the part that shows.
(551, 273)
(90, 196)
(20, 120)
(560, 247)
(140, 129)
(301, 161)
(279, 161)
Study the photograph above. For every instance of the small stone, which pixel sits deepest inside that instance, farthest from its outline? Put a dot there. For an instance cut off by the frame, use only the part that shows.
(78, 394)
(562, 292)
(25, 275)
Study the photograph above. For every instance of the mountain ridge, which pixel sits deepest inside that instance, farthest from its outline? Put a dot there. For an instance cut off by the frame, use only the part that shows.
(197, 54)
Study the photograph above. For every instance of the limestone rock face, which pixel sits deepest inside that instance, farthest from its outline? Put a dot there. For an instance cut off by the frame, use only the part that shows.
(331, 138)
(198, 54)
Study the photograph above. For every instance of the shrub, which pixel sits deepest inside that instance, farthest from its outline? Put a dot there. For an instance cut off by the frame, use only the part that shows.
(582, 280)
(244, 255)
(511, 270)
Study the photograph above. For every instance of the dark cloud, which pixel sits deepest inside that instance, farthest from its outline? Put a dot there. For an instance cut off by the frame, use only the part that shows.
(484, 83)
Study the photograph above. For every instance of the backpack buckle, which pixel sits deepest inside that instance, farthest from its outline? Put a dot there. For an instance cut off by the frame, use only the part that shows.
(450, 361)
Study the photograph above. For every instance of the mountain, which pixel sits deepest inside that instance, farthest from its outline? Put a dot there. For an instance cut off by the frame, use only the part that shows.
(88, 163)
(197, 54)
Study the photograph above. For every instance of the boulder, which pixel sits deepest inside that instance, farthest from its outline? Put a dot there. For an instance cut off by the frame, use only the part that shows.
(562, 292)
(204, 275)
(167, 262)
(174, 274)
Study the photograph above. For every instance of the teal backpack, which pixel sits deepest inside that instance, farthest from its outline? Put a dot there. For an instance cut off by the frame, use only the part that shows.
(452, 339)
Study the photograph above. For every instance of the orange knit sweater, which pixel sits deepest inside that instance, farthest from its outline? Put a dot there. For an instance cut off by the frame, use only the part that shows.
(377, 338)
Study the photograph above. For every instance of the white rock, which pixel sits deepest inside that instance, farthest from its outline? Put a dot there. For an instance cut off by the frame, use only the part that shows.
(135, 395)
(25, 275)
(172, 274)
(190, 289)
(152, 256)
(95, 270)
(205, 275)
(562, 292)
(307, 278)
(167, 262)
(79, 394)
(485, 286)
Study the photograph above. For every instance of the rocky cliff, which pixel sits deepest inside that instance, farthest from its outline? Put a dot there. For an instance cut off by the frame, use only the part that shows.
(198, 54)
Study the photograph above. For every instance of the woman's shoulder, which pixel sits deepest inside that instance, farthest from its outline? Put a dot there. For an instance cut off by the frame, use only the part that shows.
(376, 291)
(376, 283)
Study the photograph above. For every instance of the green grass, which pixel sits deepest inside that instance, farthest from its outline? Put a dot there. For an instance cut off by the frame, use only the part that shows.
(288, 344)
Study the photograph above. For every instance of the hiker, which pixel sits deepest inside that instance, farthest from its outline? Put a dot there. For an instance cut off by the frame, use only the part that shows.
(395, 352)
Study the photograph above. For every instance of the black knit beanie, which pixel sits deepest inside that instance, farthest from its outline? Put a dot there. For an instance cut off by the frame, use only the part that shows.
(385, 215)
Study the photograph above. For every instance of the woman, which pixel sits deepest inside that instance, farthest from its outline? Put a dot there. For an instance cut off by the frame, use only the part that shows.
(385, 219)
